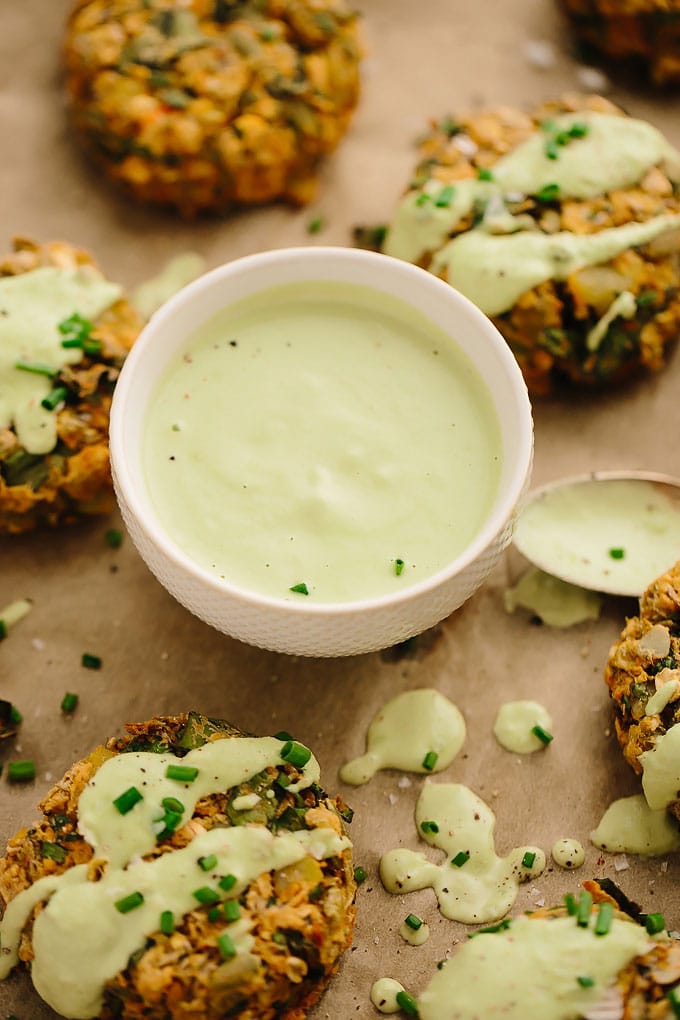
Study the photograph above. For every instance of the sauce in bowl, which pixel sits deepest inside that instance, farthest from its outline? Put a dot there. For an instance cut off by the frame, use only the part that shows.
(321, 441)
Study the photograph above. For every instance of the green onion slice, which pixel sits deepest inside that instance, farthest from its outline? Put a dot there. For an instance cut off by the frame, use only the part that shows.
(585, 903)
(429, 826)
(128, 903)
(167, 922)
(90, 661)
(127, 800)
(461, 858)
(654, 923)
(207, 863)
(413, 922)
(585, 981)
(21, 771)
(528, 859)
(360, 874)
(295, 754)
(69, 703)
(430, 760)
(605, 916)
(398, 566)
(206, 895)
(407, 1003)
(542, 734)
(227, 883)
(300, 588)
(226, 946)
(54, 397)
(570, 903)
(36, 367)
(232, 910)
(181, 773)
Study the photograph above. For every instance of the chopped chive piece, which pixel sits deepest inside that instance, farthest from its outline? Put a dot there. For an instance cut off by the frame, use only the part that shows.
(673, 997)
(398, 566)
(585, 981)
(21, 771)
(54, 397)
(226, 946)
(74, 341)
(171, 820)
(605, 916)
(92, 346)
(413, 922)
(429, 827)
(206, 895)
(585, 902)
(360, 875)
(654, 923)
(493, 928)
(542, 734)
(172, 804)
(37, 367)
(114, 538)
(182, 773)
(552, 150)
(232, 910)
(15, 715)
(128, 903)
(443, 199)
(167, 922)
(227, 883)
(3, 630)
(53, 851)
(407, 1003)
(547, 125)
(215, 914)
(461, 858)
(646, 297)
(548, 193)
(578, 129)
(75, 325)
(570, 903)
(484, 174)
(283, 735)
(207, 863)
(617, 553)
(430, 760)
(562, 138)
(127, 800)
(528, 859)
(69, 703)
(300, 588)
(295, 754)
(282, 780)
(422, 199)
(90, 661)
(316, 224)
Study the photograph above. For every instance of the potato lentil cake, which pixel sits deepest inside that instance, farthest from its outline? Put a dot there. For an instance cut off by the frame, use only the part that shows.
(58, 485)
(563, 225)
(646, 32)
(645, 659)
(289, 925)
(212, 103)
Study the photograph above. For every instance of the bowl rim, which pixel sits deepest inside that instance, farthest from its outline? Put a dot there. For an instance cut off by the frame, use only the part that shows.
(505, 506)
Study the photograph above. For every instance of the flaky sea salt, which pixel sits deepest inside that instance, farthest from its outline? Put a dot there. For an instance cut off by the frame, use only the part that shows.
(539, 53)
(621, 863)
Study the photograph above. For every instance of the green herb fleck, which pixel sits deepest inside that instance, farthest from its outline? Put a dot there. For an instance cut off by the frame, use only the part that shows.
(617, 553)
(655, 923)
(673, 997)
(226, 946)
(316, 224)
(206, 896)
(407, 1003)
(21, 771)
(360, 874)
(585, 903)
(528, 859)
(413, 922)
(398, 566)
(552, 150)
(548, 193)
(90, 661)
(422, 199)
(128, 903)
(181, 773)
(429, 826)
(461, 858)
(295, 754)
(570, 903)
(585, 981)
(300, 588)
(54, 397)
(430, 760)
(69, 703)
(167, 922)
(646, 297)
(207, 863)
(114, 538)
(36, 367)
(53, 851)
(542, 734)
(605, 916)
(227, 883)
(445, 196)
(484, 174)
(232, 910)
(127, 800)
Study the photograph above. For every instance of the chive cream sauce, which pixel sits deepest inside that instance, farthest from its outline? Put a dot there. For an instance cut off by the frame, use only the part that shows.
(324, 438)
(33, 304)
(630, 825)
(80, 921)
(418, 731)
(472, 884)
(499, 259)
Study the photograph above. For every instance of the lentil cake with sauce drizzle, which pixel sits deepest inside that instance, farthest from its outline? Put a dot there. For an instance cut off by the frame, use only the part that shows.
(212, 103)
(301, 917)
(73, 479)
(548, 327)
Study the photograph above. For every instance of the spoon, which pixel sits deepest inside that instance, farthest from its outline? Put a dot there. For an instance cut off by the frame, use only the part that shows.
(608, 531)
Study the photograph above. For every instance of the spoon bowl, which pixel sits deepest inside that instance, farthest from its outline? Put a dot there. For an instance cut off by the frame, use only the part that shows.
(608, 531)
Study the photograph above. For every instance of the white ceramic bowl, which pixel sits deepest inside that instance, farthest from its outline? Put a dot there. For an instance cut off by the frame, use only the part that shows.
(300, 627)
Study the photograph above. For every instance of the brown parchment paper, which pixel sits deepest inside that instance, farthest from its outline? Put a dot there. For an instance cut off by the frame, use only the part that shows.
(424, 60)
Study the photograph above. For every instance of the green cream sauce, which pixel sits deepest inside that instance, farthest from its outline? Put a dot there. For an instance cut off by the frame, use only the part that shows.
(568, 854)
(531, 970)
(570, 530)
(317, 434)
(485, 886)
(495, 270)
(514, 723)
(80, 921)
(409, 727)
(557, 603)
(32, 305)
(175, 274)
(630, 825)
(661, 770)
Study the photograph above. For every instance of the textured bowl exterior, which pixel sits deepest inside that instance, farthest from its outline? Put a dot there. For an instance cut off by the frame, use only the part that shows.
(303, 628)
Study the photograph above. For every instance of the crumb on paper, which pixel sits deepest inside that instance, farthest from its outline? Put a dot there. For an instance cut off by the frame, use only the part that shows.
(539, 53)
